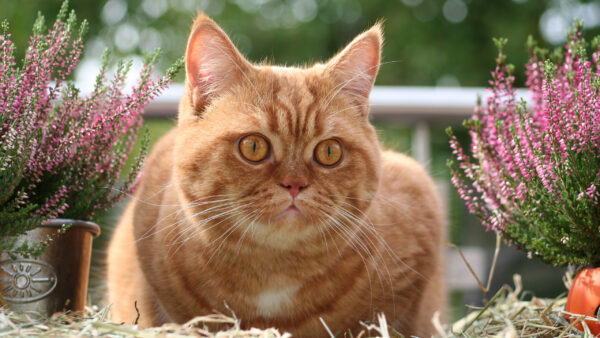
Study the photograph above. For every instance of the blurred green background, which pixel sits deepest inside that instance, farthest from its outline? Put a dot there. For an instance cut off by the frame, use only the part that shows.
(428, 43)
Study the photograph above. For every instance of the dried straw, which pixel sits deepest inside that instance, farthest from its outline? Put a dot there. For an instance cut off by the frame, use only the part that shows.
(505, 315)
(95, 323)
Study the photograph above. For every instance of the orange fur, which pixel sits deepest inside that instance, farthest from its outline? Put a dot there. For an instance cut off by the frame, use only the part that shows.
(208, 230)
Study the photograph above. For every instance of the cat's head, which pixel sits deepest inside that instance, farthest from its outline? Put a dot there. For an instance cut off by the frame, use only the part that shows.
(283, 150)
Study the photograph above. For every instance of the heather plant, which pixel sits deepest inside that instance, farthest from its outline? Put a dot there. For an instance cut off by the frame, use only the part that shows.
(62, 154)
(532, 172)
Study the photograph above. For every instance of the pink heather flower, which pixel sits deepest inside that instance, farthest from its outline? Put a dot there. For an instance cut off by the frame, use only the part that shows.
(63, 152)
(592, 193)
(533, 169)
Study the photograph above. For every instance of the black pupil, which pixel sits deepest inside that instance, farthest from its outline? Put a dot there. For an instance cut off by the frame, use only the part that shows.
(254, 146)
(328, 151)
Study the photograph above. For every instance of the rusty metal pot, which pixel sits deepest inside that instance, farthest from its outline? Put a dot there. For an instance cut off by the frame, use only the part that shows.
(58, 279)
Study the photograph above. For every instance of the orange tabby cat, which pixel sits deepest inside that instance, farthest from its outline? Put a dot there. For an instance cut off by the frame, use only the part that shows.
(273, 198)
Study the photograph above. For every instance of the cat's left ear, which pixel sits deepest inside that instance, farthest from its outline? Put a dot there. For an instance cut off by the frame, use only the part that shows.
(213, 64)
(354, 68)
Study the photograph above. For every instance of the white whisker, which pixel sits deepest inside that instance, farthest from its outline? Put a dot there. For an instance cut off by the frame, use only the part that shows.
(351, 242)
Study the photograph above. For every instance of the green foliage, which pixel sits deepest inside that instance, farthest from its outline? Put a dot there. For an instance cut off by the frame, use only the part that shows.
(422, 46)
(62, 154)
(533, 170)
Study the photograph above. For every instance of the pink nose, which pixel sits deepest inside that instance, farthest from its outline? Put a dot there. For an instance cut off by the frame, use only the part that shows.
(294, 187)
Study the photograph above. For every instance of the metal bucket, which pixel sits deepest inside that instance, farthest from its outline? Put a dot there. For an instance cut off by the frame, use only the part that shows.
(58, 279)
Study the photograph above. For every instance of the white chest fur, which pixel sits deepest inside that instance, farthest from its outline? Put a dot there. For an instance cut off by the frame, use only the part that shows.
(272, 302)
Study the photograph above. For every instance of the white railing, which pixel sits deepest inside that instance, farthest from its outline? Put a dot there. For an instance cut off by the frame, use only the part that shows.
(387, 102)
(448, 103)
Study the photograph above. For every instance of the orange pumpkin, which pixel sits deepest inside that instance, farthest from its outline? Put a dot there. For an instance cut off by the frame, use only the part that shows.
(584, 298)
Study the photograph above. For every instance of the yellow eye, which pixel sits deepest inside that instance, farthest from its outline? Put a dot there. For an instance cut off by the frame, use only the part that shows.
(328, 152)
(254, 148)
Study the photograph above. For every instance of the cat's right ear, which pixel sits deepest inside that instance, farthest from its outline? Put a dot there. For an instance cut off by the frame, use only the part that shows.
(356, 66)
(212, 62)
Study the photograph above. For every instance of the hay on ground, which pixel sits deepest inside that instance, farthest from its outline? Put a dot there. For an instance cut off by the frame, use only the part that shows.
(505, 315)
(95, 323)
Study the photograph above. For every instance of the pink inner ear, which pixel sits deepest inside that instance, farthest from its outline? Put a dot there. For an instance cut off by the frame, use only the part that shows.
(211, 57)
(212, 61)
(370, 51)
(197, 68)
(357, 65)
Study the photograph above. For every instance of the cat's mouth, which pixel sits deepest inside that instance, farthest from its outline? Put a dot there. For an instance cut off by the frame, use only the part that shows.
(291, 211)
